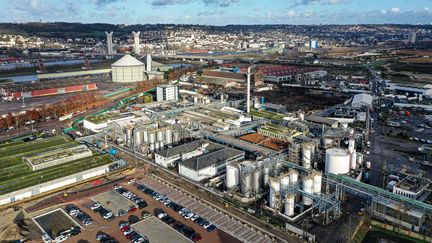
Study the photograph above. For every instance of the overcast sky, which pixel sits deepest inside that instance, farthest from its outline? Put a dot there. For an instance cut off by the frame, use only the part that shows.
(219, 12)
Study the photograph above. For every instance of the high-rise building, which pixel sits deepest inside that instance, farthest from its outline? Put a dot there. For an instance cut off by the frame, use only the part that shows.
(136, 36)
(167, 92)
(313, 44)
(109, 42)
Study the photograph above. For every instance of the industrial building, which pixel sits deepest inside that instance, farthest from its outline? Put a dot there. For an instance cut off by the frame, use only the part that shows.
(167, 92)
(127, 69)
(97, 123)
(58, 156)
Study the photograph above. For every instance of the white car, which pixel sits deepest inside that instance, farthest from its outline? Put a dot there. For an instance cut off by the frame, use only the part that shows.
(367, 152)
(162, 215)
(95, 206)
(108, 215)
(61, 238)
(189, 215)
(46, 238)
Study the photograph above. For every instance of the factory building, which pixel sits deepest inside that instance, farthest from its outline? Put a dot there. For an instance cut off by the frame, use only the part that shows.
(410, 187)
(98, 122)
(128, 69)
(288, 74)
(167, 92)
(362, 101)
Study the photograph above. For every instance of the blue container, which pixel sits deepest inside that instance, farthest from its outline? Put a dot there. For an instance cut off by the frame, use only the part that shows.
(112, 151)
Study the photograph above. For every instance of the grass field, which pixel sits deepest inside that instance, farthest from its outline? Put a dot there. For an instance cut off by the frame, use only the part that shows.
(16, 174)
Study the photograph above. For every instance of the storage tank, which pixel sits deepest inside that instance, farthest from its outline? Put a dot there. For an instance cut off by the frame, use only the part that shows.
(160, 136)
(168, 136)
(152, 147)
(156, 146)
(293, 177)
(256, 180)
(176, 137)
(306, 156)
(152, 137)
(232, 177)
(284, 182)
(307, 187)
(245, 184)
(337, 161)
(274, 192)
(161, 145)
(277, 168)
(317, 180)
(129, 137)
(289, 205)
(359, 159)
(146, 136)
(266, 174)
(353, 161)
(351, 145)
(138, 136)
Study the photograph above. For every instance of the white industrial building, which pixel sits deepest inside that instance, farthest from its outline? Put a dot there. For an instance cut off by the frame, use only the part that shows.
(99, 122)
(362, 101)
(128, 69)
(167, 92)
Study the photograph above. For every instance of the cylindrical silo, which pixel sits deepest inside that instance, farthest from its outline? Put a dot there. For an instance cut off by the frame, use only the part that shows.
(289, 205)
(176, 137)
(129, 136)
(161, 145)
(353, 161)
(274, 192)
(256, 180)
(293, 177)
(160, 136)
(337, 161)
(284, 182)
(306, 156)
(245, 184)
(152, 147)
(277, 168)
(156, 146)
(266, 174)
(168, 136)
(307, 187)
(146, 136)
(351, 145)
(232, 178)
(317, 181)
(152, 137)
(137, 134)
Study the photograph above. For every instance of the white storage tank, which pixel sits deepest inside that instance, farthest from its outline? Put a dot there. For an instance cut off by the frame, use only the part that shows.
(317, 181)
(306, 156)
(161, 145)
(129, 136)
(152, 147)
(152, 137)
(337, 161)
(274, 193)
(138, 137)
(293, 177)
(354, 161)
(284, 182)
(160, 136)
(146, 136)
(289, 205)
(256, 180)
(168, 136)
(232, 178)
(266, 174)
(156, 144)
(351, 145)
(245, 184)
(307, 187)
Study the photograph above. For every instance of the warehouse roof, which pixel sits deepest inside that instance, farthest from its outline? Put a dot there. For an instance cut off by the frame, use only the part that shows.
(211, 158)
(362, 98)
(319, 119)
(126, 61)
(188, 147)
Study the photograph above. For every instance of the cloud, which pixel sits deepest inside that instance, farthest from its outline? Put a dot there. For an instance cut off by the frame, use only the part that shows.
(395, 10)
(220, 3)
(104, 2)
(308, 2)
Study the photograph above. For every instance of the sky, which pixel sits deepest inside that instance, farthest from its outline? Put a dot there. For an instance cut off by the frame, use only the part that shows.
(219, 12)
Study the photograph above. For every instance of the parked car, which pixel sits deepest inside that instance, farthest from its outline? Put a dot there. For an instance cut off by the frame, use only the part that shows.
(95, 206)
(145, 214)
(133, 219)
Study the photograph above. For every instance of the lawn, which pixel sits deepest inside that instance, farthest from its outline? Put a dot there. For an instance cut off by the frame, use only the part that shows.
(16, 174)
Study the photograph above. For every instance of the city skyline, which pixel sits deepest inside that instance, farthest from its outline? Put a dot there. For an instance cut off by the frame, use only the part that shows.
(221, 12)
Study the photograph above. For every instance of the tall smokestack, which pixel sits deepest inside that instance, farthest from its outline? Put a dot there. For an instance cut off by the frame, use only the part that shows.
(149, 61)
(248, 89)
(109, 42)
(136, 36)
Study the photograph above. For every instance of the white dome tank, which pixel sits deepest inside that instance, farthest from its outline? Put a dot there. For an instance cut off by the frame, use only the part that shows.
(307, 187)
(337, 161)
(232, 176)
(289, 205)
(317, 180)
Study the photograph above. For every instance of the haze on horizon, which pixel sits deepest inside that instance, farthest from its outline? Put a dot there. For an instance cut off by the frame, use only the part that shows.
(219, 12)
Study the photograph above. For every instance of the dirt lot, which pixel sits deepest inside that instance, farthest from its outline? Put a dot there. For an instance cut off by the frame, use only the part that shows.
(55, 222)
(158, 231)
(302, 99)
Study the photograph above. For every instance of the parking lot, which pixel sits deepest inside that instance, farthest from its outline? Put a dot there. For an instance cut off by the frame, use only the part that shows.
(222, 221)
(158, 231)
(55, 222)
(114, 202)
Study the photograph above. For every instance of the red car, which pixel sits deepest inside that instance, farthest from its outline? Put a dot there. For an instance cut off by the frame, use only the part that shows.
(132, 209)
(125, 228)
(197, 237)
